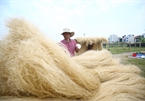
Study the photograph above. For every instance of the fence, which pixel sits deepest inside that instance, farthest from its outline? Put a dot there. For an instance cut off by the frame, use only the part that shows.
(121, 44)
(124, 47)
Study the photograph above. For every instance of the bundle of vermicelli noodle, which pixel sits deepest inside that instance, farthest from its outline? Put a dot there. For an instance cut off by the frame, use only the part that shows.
(86, 41)
(117, 81)
(32, 65)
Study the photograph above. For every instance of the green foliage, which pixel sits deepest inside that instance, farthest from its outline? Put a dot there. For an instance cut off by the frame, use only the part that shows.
(142, 39)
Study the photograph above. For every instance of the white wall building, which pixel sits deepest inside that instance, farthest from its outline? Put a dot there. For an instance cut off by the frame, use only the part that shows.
(112, 38)
(143, 35)
(129, 38)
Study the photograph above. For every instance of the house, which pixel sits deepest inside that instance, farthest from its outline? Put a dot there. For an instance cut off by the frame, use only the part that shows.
(124, 38)
(128, 38)
(120, 39)
(143, 35)
(137, 39)
(113, 38)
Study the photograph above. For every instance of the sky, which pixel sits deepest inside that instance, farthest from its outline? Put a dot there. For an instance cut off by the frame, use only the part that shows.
(92, 18)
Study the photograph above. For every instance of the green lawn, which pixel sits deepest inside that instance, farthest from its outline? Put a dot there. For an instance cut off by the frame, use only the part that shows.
(119, 50)
(138, 62)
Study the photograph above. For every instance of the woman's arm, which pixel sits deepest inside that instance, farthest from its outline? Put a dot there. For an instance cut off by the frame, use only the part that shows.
(77, 49)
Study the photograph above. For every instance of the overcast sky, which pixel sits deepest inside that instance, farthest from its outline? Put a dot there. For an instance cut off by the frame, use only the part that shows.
(90, 17)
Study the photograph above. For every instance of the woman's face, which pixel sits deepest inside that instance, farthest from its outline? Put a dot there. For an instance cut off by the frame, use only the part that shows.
(66, 35)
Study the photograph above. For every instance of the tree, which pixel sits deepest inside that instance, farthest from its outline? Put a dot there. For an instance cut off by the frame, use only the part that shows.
(141, 39)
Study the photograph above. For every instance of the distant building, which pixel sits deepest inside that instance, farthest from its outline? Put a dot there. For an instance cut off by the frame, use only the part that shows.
(124, 38)
(137, 38)
(143, 35)
(128, 38)
(113, 38)
(120, 39)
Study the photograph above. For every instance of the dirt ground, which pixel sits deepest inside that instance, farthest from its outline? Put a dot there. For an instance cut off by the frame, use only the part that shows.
(123, 57)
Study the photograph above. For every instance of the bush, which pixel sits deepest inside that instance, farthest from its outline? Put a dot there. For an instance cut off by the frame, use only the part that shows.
(136, 45)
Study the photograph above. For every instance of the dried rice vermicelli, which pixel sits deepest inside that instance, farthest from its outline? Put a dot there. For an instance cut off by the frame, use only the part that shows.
(118, 82)
(92, 59)
(32, 65)
(127, 87)
(95, 41)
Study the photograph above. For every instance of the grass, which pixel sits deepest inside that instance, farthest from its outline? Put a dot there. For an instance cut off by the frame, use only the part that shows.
(119, 50)
(138, 62)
